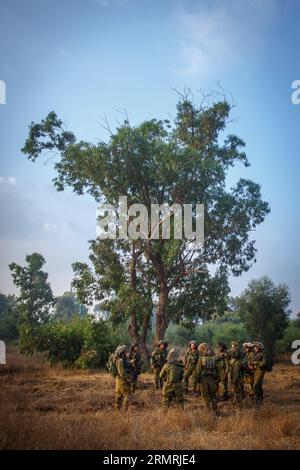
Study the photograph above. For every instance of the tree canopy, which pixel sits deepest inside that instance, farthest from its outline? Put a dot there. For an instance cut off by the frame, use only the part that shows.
(159, 162)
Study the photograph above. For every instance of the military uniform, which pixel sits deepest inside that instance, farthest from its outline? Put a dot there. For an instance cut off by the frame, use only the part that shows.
(135, 359)
(172, 375)
(222, 358)
(206, 373)
(259, 365)
(123, 381)
(248, 371)
(190, 362)
(236, 375)
(158, 360)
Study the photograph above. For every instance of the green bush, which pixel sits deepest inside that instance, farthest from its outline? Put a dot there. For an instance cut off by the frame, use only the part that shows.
(291, 334)
(210, 332)
(178, 335)
(83, 342)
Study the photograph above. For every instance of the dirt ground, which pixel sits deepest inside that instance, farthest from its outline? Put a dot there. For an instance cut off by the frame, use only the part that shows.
(51, 408)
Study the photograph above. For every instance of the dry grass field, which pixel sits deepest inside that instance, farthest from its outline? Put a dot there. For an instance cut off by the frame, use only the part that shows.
(51, 408)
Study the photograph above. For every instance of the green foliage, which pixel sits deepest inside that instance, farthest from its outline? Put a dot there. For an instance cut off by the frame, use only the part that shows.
(35, 298)
(82, 342)
(8, 318)
(210, 332)
(179, 335)
(264, 309)
(67, 306)
(291, 334)
(156, 162)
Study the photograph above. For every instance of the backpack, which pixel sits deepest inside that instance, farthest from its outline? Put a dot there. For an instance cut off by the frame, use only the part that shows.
(111, 365)
(176, 373)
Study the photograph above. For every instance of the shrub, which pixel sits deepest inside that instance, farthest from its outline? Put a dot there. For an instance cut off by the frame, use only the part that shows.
(83, 342)
(291, 334)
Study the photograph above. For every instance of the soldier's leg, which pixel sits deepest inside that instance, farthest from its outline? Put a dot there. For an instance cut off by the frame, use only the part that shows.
(212, 389)
(126, 394)
(205, 393)
(186, 380)
(257, 385)
(118, 395)
(220, 389)
(167, 396)
(187, 375)
(237, 394)
(156, 378)
(178, 395)
(249, 380)
(195, 384)
(160, 381)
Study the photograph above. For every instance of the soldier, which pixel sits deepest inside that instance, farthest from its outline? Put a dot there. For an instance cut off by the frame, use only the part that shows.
(236, 373)
(206, 373)
(248, 371)
(172, 375)
(135, 359)
(157, 361)
(259, 365)
(190, 362)
(223, 370)
(123, 378)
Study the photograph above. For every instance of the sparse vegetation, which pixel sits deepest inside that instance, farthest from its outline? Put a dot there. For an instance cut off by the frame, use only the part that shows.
(53, 408)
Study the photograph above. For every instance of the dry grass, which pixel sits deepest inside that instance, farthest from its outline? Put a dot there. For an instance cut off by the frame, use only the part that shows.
(50, 408)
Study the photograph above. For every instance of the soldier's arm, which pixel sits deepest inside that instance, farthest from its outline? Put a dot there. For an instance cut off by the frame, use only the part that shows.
(226, 365)
(186, 358)
(198, 369)
(163, 373)
(122, 372)
(262, 363)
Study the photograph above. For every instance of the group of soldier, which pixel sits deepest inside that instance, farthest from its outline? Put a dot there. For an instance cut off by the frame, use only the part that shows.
(212, 374)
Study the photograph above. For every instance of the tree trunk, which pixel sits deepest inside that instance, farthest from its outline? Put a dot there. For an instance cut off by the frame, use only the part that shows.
(161, 319)
(133, 330)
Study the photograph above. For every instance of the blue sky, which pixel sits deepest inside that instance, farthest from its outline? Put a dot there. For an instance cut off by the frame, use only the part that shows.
(87, 58)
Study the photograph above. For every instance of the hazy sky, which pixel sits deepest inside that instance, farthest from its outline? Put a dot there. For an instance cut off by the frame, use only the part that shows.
(87, 58)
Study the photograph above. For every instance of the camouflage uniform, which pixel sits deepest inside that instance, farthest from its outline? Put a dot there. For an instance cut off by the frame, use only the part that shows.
(259, 365)
(135, 359)
(249, 372)
(206, 372)
(236, 375)
(158, 360)
(172, 375)
(190, 362)
(123, 379)
(223, 370)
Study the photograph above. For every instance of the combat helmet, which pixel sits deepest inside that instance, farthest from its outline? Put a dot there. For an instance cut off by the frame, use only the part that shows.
(162, 342)
(173, 355)
(203, 348)
(123, 348)
(221, 346)
(259, 345)
(193, 342)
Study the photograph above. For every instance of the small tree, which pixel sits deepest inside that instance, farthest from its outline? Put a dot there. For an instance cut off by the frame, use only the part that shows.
(34, 301)
(67, 305)
(264, 309)
(8, 317)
